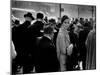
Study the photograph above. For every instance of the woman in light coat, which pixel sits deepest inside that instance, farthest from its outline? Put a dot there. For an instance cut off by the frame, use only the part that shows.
(91, 49)
(64, 47)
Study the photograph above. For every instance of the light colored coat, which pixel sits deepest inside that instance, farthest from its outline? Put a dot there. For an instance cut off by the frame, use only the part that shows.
(91, 50)
(62, 44)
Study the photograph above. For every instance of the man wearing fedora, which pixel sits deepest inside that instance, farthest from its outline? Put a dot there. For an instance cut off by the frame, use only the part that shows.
(24, 55)
(37, 26)
(34, 32)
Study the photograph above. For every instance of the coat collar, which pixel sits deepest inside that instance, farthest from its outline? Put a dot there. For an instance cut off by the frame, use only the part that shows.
(47, 37)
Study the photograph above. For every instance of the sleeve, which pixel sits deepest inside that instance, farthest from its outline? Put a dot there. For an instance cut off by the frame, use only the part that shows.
(70, 49)
(61, 45)
(13, 52)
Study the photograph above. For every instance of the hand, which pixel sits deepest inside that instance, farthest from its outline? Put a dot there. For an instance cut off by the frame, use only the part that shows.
(70, 49)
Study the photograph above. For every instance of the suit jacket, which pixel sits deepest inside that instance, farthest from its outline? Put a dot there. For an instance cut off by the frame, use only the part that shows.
(21, 42)
(46, 57)
(35, 29)
(33, 33)
(74, 39)
(82, 39)
(20, 38)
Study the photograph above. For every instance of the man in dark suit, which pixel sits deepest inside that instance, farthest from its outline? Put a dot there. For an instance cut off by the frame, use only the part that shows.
(46, 56)
(34, 32)
(37, 26)
(21, 42)
(15, 25)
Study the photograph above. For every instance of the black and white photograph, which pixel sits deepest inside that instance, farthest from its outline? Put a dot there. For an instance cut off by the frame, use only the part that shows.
(51, 37)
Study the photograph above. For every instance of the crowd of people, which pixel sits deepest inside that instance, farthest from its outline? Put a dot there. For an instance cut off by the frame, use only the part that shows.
(49, 46)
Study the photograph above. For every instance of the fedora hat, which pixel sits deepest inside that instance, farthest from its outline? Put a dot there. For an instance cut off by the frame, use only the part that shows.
(29, 15)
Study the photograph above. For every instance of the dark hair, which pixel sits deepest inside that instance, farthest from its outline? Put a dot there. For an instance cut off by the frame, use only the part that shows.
(17, 22)
(71, 27)
(64, 18)
(81, 18)
(40, 16)
(48, 29)
(52, 21)
(76, 20)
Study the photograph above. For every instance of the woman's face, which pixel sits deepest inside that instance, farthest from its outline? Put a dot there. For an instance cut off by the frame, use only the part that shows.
(66, 23)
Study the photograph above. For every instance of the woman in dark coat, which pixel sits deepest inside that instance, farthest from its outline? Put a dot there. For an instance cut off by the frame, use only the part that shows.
(74, 39)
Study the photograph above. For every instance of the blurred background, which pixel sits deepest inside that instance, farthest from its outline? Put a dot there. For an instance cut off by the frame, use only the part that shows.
(55, 10)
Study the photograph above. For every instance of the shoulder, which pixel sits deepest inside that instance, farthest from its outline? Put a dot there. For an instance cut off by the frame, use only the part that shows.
(60, 33)
(33, 22)
(91, 33)
(37, 22)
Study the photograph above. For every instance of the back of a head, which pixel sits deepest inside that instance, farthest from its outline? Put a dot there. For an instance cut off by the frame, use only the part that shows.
(81, 19)
(40, 16)
(52, 21)
(76, 20)
(48, 29)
